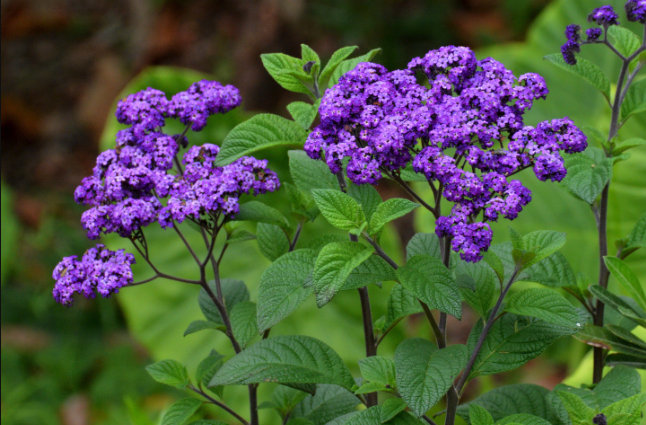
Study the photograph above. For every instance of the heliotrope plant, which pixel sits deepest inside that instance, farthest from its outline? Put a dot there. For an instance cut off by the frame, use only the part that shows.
(449, 121)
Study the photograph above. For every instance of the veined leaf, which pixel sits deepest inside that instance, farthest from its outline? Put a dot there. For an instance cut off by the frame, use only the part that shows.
(522, 419)
(179, 412)
(338, 208)
(401, 303)
(285, 399)
(428, 279)
(233, 291)
(628, 144)
(479, 416)
(379, 370)
(618, 384)
(374, 270)
(635, 101)
(585, 69)
(424, 374)
(282, 288)
(259, 132)
(333, 266)
(310, 174)
(243, 322)
(367, 197)
(586, 177)
(309, 55)
(513, 399)
(207, 368)
(554, 271)
(544, 304)
(336, 59)
(621, 305)
(602, 337)
(328, 403)
(303, 204)
(350, 64)
(389, 211)
(272, 241)
(512, 341)
(635, 362)
(292, 360)
(542, 243)
(626, 41)
(626, 412)
(201, 325)
(258, 212)
(637, 237)
(482, 295)
(579, 412)
(303, 113)
(287, 71)
(391, 408)
(423, 244)
(626, 279)
(169, 372)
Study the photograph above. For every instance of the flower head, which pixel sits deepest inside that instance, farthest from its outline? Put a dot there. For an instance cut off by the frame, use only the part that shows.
(593, 34)
(604, 16)
(636, 11)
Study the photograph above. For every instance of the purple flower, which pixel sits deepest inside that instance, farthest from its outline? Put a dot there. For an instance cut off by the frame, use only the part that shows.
(203, 99)
(144, 110)
(99, 271)
(604, 16)
(593, 34)
(573, 32)
(569, 50)
(636, 11)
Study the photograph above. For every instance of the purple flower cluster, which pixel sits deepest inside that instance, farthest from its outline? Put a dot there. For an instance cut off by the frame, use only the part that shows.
(382, 121)
(99, 271)
(142, 181)
(604, 16)
(636, 11)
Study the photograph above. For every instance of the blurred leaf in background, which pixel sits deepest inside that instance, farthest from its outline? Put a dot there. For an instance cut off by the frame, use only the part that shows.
(9, 234)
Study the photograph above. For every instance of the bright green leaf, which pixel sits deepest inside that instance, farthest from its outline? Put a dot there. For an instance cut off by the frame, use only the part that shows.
(309, 174)
(378, 369)
(602, 337)
(544, 304)
(423, 244)
(333, 63)
(303, 113)
(585, 69)
(350, 64)
(624, 40)
(338, 208)
(626, 279)
(179, 412)
(389, 211)
(367, 197)
(391, 408)
(635, 101)
(169, 372)
(328, 403)
(272, 241)
(479, 416)
(208, 367)
(372, 271)
(628, 144)
(201, 325)
(287, 71)
(243, 322)
(401, 303)
(481, 297)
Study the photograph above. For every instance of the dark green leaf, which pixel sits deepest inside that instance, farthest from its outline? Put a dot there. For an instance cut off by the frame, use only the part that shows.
(586, 70)
(339, 209)
(367, 197)
(374, 270)
(208, 367)
(179, 412)
(378, 369)
(585, 177)
(620, 383)
(544, 304)
(637, 237)
(169, 372)
(282, 288)
(333, 266)
(634, 313)
(626, 279)
(543, 243)
(391, 408)
(243, 322)
(635, 101)
(424, 374)
(480, 274)
(240, 235)
(233, 291)
(303, 113)
(602, 337)
(401, 303)
(333, 63)
(303, 204)
(636, 362)
(496, 264)
(522, 419)
(479, 416)
(285, 399)
(328, 403)
(259, 132)
(201, 325)
(287, 71)
(207, 422)
(289, 360)
(389, 211)
(423, 244)
(261, 213)
(578, 411)
(428, 279)
(554, 271)
(272, 241)
(310, 174)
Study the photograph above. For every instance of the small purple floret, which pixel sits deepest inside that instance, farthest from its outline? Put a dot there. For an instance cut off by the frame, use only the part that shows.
(636, 11)
(604, 16)
(593, 34)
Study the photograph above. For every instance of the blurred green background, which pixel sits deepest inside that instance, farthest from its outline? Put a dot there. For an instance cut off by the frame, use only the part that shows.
(64, 62)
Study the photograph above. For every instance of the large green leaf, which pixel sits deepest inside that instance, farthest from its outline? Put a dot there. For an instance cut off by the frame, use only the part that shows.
(479, 416)
(388, 211)
(604, 338)
(169, 372)
(377, 369)
(260, 132)
(287, 71)
(331, 66)
(303, 113)
(585, 69)
(635, 101)
(578, 411)
(626, 41)
(482, 279)
(424, 373)
(423, 244)
(291, 360)
(626, 279)
(179, 412)
(272, 241)
(328, 403)
(259, 212)
(544, 304)
(374, 270)
(554, 271)
(243, 322)
(512, 341)
(401, 303)
(309, 174)
(334, 265)
(340, 209)
(367, 197)
(233, 291)
(514, 399)
(282, 287)
(428, 279)
(626, 412)
(586, 177)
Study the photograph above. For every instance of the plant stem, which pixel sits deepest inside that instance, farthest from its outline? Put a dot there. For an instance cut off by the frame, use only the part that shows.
(439, 336)
(369, 336)
(253, 403)
(220, 405)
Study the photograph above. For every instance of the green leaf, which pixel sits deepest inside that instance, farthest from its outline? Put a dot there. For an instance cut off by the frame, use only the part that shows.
(586, 70)
(626, 279)
(303, 113)
(512, 341)
(619, 304)
(626, 412)
(544, 304)
(479, 415)
(333, 266)
(259, 132)
(480, 274)
(428, 279)
(309, 55)
(423, 244)
(261, 213)
(491, 258)
(201, 325)
(585, 177)
(522, 419)
(291, 360)
(272, 241)
(542, 243)
(169, 372)
(620, 383)
(378, 369)
(424, 374)
(208, 367)
(554, 271)
(635, 101)
(374, 270)
(513, 399)
(391, 408)
(578, 411)
(624, 40)
(309, 174)
(401, 303)
(367, 197)
(596, 135)
(233, 291)
(628, 144)
(371, 387)
(287, 71)
(179, 412)
(207, 422)
(635, 362)
(243, 322)
(333, 63)
(350, 64)
(341, 210)
(637, 237)
(328, 403)
(303, 204)
(299, 421)
(240, 235)
(389, 211)
(285, 399)
(282, 288)
(602, 337)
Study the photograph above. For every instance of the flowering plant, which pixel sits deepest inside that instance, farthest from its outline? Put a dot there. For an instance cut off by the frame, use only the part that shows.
(447, 121)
